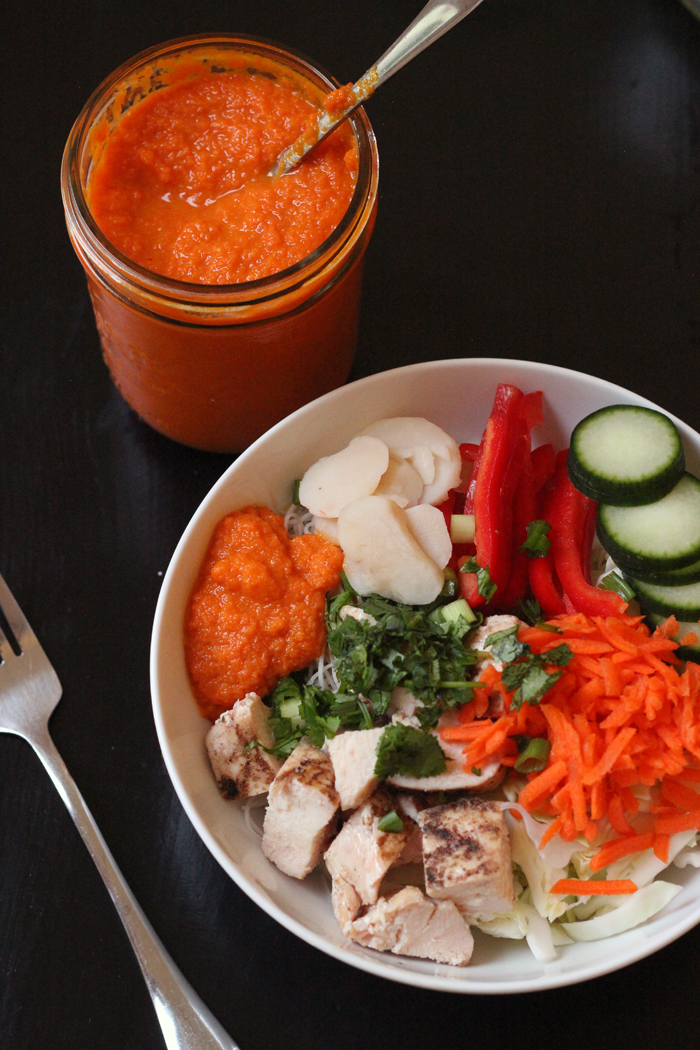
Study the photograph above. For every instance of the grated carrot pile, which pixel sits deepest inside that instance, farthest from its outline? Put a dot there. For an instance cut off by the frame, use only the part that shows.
(620, 715)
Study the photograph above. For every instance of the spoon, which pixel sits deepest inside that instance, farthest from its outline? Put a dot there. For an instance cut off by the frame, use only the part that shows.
(435, 19)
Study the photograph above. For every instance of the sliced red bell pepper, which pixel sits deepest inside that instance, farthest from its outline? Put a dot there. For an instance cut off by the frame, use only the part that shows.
(523, 513)
(570, 511)
(543, 579)
(468, 452)
(543, 458)
(448, 506)
(493, 485)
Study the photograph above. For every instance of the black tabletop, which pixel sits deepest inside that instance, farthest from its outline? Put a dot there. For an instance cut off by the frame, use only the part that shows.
(538, 199)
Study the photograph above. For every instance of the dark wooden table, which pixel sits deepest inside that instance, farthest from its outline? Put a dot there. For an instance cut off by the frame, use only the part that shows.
(539, 199)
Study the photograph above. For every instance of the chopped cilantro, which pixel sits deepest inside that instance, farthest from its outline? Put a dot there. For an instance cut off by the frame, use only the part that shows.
(484, 584)
(527, 676)
(476, 771)
(505, 646)
(401, 645)
(537, 543)
(408, 752)
(305, 710)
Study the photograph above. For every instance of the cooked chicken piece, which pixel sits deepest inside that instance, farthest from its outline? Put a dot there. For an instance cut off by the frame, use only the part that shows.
(410, 924)
(354, 756)
(403, 706)
(466, 857)
(361, 854)
(240, 773)
(302, 811)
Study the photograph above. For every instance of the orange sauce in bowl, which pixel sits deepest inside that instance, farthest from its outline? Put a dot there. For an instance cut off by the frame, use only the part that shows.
(257, 611)
(182, 185)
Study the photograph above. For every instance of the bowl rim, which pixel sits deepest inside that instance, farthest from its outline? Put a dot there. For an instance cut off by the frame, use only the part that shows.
(376, 963)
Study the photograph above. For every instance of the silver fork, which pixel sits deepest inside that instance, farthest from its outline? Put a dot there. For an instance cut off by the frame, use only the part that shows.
(29, 693)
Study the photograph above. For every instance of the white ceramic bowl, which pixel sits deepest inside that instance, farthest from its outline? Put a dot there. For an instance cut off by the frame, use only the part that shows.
(457, 395)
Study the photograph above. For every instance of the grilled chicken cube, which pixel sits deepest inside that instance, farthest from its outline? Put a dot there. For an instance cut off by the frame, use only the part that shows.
(410, 924)
(361, 854)
(354, 756)
(240, 773)
(466, 857)
(302, 811)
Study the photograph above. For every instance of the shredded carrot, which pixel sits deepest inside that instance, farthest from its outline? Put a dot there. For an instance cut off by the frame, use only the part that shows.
(622, 715)
(590, 887)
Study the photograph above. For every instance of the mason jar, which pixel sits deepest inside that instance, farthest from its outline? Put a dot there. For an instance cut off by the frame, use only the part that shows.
(215, 365)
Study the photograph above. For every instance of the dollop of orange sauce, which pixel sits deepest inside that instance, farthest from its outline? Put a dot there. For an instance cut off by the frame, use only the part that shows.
(182, 185)
(257, 611)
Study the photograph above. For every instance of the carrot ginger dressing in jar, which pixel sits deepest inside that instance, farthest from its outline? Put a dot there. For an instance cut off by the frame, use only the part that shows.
(257, 611)
(182, 187)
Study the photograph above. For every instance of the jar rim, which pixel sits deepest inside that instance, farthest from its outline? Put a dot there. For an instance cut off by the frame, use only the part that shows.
(101, 252)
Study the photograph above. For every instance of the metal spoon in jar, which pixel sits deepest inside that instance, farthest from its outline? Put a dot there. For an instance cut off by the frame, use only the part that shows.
(435, 19)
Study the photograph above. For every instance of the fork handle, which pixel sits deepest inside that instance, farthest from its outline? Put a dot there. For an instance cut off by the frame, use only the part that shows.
(186, 1022)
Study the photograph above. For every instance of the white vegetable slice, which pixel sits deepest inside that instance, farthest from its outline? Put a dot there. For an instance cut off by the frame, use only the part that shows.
(448, 475)
(328, 528)
(400, 482)
(336, 480)
(428, 526)
(637, 908)
(381, 554)
(408, 437)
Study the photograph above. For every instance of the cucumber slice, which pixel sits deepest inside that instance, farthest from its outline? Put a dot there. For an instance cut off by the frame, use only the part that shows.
(669, 577)
(625, 455)
(662, 535)
(684, 652)
(683, 601)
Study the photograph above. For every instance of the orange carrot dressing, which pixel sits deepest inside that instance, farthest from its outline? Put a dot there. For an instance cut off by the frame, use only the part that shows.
(257, 611)
(620, 715)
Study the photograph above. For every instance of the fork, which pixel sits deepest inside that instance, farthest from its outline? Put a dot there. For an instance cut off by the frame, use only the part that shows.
(29, 693)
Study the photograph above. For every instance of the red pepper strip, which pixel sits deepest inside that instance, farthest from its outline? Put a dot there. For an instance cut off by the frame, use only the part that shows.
(497, 469)
(569, 512)
(468, 452)
(532, 410)
(542, 465)
(524, 511)
(468, 585)
(545, 585)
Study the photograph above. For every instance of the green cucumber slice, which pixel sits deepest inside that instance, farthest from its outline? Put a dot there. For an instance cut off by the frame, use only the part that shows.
(683, 601)
(684, 652)
(661, 535)
(668, 577)
(625, 455)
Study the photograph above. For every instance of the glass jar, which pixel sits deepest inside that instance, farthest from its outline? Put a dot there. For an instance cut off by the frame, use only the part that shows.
(214, 366)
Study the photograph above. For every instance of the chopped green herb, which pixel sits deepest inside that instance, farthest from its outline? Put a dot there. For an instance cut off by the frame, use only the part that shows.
(305, 710)
(537, 543)
(408, 752)
(476, 771)
(401, 645)
(505, 646)
(390, 822)
(532, 757)
(529, 610)
(528, 679)
(484, 584)
(614, 582)
(295, 494)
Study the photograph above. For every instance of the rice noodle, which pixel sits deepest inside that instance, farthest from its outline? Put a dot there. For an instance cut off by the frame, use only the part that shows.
(298, 521)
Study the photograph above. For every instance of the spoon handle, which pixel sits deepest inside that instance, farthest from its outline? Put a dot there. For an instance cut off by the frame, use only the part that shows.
(435, 19)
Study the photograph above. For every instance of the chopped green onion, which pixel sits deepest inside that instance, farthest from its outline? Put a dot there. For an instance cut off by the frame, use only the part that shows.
(458, 610)
(533, 758)
(537, 544)
(476, 771)
(450, 588)
(291, 709)
(462, 528)
(295, 493)
(614, 582)
(391, 822)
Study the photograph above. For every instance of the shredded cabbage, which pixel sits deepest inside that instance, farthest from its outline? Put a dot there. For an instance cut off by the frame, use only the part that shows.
(635, 909)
